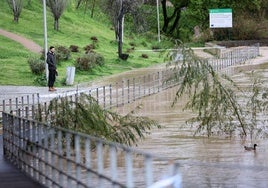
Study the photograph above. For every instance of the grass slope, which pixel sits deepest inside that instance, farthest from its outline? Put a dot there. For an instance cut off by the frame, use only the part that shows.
(76, 28)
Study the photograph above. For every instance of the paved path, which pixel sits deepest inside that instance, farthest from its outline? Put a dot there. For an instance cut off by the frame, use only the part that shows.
(11, 177)
(27, 43)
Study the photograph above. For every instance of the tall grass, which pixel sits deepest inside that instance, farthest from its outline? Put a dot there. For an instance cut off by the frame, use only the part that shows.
(76, 28)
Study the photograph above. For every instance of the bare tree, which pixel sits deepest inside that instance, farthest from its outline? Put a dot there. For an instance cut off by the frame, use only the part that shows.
(86, 3)
(16, 6)
(57, 7)
(117, 9)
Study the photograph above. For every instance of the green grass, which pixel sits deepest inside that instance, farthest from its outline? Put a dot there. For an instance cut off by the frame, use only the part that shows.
(76, 28)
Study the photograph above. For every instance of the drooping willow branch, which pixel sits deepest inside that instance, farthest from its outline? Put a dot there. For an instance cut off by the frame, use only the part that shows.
(212, 94)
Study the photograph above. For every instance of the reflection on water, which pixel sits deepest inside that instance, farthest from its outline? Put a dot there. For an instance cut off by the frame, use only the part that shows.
(213, 162)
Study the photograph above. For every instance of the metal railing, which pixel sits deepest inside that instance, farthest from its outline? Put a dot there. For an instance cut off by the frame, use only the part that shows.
(57, 157)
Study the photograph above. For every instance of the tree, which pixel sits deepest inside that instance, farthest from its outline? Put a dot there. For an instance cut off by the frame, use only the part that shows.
(85, 115)
(16, 7)
(214, 100)
(175, 16)
(57, 7)
(117, 9)
(86, 2)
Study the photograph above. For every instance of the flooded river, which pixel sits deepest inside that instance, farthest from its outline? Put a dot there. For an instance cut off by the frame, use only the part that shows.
(204, 162)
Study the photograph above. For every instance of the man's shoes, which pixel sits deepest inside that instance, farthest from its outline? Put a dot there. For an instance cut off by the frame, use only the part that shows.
(52, 89)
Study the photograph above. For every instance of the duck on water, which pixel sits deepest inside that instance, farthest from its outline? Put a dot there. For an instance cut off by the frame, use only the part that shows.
(251, 148)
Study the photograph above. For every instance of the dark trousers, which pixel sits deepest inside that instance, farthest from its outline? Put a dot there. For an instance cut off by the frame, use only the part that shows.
(51, 78)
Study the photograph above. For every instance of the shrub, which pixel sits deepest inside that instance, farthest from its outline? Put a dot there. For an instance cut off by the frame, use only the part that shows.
(132, 44)
(94, 39)
(99, 59)
(88, 61)
(89, 48)
(37, 65)
(74, 48)
(41, 80)
(62, 53)
(144, 56)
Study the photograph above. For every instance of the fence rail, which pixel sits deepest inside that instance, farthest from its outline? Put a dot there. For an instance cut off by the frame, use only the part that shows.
(58, 157)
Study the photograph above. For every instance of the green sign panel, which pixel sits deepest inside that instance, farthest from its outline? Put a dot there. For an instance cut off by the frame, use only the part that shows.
(220, 18)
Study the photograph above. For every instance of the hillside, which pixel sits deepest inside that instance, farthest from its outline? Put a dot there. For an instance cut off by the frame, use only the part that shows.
(76, 28)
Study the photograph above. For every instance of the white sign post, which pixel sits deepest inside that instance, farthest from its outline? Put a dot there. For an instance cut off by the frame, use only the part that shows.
(220, 18)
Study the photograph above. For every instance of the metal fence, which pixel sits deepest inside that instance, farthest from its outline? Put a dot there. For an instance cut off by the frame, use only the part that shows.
(57, 157)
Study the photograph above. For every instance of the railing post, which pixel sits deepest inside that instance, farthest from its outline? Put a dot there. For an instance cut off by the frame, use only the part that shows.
(129, 169)
(104, 97)
(134, 90)
(123, 93)
(116, 93)
(148, 171)
(68, 155)
(128, 92)
(77, 157)
(111, 97)
(100, 162)
(97, 93)
(113, 157)
(88, 159)
(60, 159)
(4, 105)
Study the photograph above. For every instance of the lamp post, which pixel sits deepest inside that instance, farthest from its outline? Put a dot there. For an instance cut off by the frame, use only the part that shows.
(158, 24)
(45, 34)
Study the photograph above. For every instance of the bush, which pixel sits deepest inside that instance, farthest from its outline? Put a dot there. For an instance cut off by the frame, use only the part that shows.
(37, 65)
(145, 56)
(99, 59)
(89, 48)
(88, 61)
(74, 48)
(41, 80)
(94, 39)
(62, 53)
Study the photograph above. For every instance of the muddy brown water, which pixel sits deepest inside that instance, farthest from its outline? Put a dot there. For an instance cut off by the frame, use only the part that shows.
(204, 162)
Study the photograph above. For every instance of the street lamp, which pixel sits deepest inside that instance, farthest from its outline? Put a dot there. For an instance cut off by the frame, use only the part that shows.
(45, 34)
(158, 24)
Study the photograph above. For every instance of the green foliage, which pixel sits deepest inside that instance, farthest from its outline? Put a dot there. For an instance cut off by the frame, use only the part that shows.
(88, 61)
(62, 53)
(74, 48)
(37, 65)
(41, 80)
(83, 114)
(220, 106)
(256, 106)
(211, 95)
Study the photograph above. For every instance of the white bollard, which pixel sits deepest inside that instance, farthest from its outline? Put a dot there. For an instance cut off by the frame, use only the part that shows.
(70, 73)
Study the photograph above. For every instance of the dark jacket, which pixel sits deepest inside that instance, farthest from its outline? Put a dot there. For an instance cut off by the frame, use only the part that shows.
(51, 61)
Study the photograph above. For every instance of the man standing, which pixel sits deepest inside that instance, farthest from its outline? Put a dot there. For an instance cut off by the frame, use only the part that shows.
(52, 69)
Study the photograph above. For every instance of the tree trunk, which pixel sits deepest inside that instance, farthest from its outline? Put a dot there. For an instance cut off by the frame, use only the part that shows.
(166, 20)
(78, 4)
(176, 21)
(120, 43)
(16, 19)
(93, 8)
(120, 29)
(56, 24)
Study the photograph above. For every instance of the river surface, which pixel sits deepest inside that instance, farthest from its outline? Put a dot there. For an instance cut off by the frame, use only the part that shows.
(204, 162)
